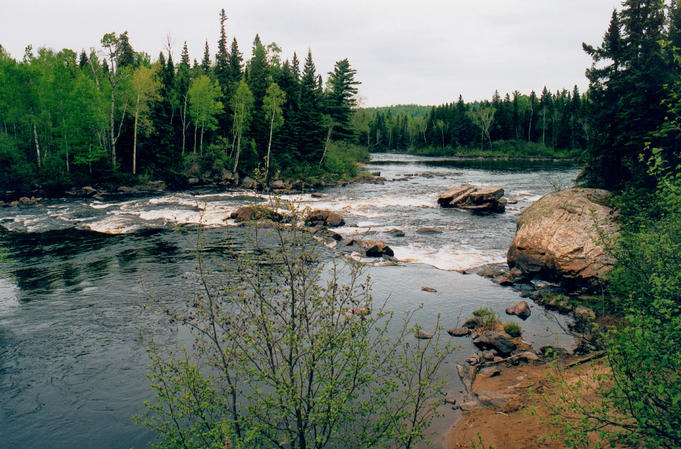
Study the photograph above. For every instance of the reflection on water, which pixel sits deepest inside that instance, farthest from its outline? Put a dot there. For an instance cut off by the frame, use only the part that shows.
(72, 301)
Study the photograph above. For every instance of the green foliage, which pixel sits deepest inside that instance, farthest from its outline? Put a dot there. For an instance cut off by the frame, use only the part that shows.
(487, 318)
(342, 159)
(285, 355)
(86, 119)
(512, 329)
(555, 124)
(507, 148)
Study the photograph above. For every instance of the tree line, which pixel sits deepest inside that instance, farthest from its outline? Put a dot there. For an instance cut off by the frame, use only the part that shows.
(553, 120)
(69, 118)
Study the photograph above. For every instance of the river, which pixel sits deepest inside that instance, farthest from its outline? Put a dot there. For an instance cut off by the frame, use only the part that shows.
(77, 279)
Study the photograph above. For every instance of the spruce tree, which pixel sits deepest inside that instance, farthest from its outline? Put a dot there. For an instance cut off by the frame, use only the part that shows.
(310, 131)
(342, 98)
(235, 69)
(626, 94)
(205, 62)
(222, 56)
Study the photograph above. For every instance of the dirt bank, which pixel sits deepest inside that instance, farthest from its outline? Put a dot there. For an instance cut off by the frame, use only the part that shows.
(520, 416)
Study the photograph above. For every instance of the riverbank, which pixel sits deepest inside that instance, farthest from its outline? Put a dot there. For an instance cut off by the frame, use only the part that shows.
(522, 415)
(505, 149)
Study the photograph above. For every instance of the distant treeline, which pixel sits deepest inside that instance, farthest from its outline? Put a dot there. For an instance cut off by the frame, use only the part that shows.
(554, 120)
(108, 115)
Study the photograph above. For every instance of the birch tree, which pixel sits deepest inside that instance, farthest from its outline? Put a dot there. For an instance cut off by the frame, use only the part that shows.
(146, 86)
(274, 99)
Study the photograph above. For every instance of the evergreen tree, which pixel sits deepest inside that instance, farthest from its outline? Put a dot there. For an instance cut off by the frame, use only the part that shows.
(626, 94)
(341, 98)
(310, 131)
(222, 56)
(205, 62)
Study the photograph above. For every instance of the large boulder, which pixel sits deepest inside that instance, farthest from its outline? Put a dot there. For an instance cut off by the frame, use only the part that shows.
(559, 238)
(488, 199)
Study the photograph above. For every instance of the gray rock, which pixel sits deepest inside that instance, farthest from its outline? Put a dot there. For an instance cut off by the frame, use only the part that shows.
(279, 185)
(500, 341)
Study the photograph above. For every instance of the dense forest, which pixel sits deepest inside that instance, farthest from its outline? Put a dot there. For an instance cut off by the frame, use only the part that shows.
(69, 118)
(548, 123)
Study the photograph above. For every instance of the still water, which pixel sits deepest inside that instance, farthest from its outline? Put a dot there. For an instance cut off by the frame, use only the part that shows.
(83, 281)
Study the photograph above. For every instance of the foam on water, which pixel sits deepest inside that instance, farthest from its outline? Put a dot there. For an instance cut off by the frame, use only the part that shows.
(450, 258)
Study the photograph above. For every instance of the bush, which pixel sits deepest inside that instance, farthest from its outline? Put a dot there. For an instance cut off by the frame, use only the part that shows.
(342, 157)
(641, 398)
(487, 317)
(291, 351)
(512, 329)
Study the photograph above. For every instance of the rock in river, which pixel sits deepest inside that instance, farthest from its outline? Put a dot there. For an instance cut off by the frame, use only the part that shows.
(500, 341)
(559, 236)
(521, 310)
(488, 199)
(328, 218)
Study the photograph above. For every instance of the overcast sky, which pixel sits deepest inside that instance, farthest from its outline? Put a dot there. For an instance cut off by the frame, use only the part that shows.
(423, 52)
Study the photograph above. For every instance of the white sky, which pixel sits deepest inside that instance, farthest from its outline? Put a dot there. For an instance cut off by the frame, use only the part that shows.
(423, 52)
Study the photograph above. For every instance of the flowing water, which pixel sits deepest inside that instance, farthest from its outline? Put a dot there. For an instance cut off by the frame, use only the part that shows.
(77, 275)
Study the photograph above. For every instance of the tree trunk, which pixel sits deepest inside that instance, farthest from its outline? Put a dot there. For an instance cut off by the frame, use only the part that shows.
(234, 133)
(326, 145)
(111, 124)
(66, 145)
(269, 149)
(134, 137)
(184, 123)
(37, 145)
(238, 150)
(201, 141)
(196, 127)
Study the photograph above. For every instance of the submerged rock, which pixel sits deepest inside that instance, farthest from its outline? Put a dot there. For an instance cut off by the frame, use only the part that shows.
(559, 238)
(459, 332)
(421, 335)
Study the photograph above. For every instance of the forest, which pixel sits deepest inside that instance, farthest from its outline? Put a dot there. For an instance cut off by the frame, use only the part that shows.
(117, 116)
(549, 125)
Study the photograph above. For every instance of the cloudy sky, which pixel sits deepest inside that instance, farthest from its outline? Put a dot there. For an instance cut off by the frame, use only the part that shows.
(418, 51)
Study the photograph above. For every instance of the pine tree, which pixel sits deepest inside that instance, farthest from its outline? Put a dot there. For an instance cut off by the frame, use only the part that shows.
(222, 56)
(341, 98)
(626, 94)
(235, 63)
(310, 131)
(205, 62)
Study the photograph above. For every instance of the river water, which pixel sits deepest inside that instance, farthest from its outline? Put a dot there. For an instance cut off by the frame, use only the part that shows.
(77, 279)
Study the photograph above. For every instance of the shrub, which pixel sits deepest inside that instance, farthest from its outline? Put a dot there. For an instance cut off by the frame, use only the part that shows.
(291, 351)
(487, 317)
(512, 329)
